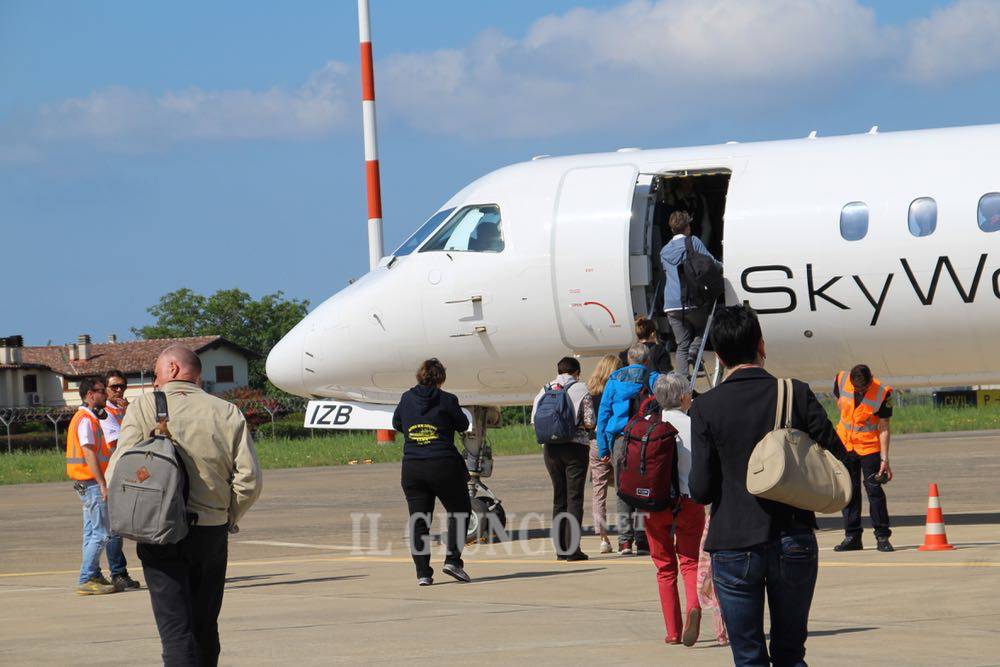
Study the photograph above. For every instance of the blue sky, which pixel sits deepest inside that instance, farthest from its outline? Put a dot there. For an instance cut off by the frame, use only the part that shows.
(146, 147)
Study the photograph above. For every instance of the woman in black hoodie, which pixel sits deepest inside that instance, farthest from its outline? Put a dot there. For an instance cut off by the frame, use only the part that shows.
(428, 418)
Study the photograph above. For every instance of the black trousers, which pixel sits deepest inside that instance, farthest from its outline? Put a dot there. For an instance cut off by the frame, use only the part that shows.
(860, 467)
(185, 582)
(423, 481)
(567, 465)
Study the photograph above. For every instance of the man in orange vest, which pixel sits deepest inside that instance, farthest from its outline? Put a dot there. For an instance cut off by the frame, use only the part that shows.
(87, 456)
(116, 384)
(865, 409)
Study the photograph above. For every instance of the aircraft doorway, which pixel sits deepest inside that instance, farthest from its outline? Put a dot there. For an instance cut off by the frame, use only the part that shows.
(701, 193)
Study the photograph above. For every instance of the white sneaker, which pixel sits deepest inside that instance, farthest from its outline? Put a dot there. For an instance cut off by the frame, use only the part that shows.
(606, 547)
(424, 581)
(456, 572)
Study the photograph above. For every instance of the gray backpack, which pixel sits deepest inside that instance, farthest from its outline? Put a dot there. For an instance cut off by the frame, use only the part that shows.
(147, 492)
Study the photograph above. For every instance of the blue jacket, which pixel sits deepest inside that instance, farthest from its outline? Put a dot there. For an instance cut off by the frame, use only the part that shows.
(672, 256)
(619, 391)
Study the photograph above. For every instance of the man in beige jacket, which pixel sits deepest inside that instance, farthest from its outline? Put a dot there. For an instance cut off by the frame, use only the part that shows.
(186, 579)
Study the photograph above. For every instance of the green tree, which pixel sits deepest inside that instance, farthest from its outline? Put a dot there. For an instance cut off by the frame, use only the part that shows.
(233, 314)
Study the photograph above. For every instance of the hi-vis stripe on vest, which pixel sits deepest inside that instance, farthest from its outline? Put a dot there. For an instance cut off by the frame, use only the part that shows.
(858, 426)
(76, 465)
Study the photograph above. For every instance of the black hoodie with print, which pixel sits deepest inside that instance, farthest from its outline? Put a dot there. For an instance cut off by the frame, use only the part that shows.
(428, 418)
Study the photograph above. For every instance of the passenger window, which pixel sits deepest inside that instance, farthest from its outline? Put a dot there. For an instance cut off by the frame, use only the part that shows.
(472, 229)
(989, 212)
(410, 244)
(854, 221)
(923, 216)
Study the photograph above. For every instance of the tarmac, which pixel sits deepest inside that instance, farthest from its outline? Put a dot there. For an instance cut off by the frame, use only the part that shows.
(306, 587)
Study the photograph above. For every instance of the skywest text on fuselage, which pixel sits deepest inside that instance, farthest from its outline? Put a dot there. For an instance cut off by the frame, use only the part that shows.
(824, 288)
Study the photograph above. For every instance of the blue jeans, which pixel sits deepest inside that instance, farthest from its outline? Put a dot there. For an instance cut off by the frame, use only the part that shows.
(97, 537)
(786, 568)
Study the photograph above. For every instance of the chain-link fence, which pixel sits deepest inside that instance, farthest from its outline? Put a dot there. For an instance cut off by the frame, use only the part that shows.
(32, 428)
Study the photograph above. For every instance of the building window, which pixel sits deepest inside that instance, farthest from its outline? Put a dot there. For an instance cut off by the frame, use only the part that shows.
(223, 374)
(989, 212)
(923, 216)
(30, 384)
(473, 229)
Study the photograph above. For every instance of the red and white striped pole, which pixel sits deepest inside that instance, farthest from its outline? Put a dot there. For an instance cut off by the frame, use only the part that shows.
(371, 139)
(371, 156)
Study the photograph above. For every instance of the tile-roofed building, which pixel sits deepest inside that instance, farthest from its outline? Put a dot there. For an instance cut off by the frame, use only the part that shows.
(50, 374)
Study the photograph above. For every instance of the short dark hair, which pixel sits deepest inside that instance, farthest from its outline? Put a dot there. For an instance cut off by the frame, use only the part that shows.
(568, 366)
(431, 373)
(736, 335)
(87, 385)
(861, 376)
(644, 328)
(679, 221)
(114, 373)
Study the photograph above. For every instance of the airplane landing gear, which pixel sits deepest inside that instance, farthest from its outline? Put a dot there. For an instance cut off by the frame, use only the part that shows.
(488, 519)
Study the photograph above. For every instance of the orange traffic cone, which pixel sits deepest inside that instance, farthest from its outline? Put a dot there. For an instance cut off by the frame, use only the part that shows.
(934, 535)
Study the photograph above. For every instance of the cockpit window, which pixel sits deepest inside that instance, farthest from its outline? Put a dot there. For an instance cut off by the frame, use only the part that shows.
(472, 229)
(410, 244)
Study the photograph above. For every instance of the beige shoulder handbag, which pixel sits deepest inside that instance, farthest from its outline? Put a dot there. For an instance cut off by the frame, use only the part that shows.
(787, 466)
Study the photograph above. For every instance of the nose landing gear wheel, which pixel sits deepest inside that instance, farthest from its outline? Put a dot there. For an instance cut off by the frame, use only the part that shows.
(487, 522)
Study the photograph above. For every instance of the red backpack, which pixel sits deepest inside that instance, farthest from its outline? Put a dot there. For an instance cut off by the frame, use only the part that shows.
(646, 475)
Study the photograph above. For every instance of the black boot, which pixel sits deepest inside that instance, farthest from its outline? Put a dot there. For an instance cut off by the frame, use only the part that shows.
(850, 543)
(883, 544)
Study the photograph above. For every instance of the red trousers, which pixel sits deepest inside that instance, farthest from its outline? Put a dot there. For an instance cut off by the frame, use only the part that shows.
(666, 548)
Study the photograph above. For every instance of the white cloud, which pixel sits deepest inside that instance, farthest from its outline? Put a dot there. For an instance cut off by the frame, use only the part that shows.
(644, 62)
(125, 117)
(955, 42)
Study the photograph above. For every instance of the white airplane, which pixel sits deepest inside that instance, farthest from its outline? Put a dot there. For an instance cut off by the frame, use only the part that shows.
(874, 248)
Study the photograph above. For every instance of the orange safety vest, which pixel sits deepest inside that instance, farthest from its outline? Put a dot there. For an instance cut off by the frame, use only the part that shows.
(76, 465)
(858, 426)
(118, 414)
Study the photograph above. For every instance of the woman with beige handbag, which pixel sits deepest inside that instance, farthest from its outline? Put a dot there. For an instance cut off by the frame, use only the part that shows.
(757, 545)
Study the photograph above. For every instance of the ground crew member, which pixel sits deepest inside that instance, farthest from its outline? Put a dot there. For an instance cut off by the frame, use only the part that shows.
(865, 408)
(87, 455)
(116, 384)
(186, 579)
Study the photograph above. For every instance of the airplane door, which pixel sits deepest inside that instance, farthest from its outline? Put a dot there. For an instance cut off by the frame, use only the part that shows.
(590, 251)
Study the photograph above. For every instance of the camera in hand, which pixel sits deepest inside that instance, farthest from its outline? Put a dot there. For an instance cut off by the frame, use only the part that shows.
(878, 478)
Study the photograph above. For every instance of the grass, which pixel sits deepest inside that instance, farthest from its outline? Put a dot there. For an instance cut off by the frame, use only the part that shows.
(343, 448)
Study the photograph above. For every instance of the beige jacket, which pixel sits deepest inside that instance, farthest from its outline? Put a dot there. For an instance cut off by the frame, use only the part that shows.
(215, 445)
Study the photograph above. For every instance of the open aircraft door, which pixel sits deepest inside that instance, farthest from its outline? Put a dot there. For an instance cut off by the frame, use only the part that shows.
(590, 253)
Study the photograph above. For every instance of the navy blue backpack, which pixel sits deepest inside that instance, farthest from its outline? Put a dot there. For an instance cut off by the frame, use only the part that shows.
(555, 418)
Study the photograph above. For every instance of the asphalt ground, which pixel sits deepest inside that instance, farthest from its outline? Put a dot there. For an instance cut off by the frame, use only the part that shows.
(305, 587)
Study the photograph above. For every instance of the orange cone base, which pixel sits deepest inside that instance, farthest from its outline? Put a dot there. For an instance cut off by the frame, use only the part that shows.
(935, 547)
(382, 436)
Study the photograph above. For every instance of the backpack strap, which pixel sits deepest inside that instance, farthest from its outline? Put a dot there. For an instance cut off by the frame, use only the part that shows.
(162, 415)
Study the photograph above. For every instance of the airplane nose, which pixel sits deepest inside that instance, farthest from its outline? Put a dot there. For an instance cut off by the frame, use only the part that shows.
(284, 365)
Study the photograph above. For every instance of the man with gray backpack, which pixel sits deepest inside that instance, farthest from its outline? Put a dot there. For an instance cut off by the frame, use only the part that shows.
(563, 417)
(199, 466)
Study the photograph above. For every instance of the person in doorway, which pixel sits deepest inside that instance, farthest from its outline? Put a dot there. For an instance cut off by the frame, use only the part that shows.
(433, 469)
(601, 471)
(687, 321)
(623, 393)
(865, 410)
(87, 456)
(186, 580)
(659, 355)
(675, 533)
(567, 461)
(682, 196)
(757, 546)
(111, 425)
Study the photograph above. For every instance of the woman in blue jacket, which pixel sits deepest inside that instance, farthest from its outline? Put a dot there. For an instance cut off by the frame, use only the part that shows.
(620, 392)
